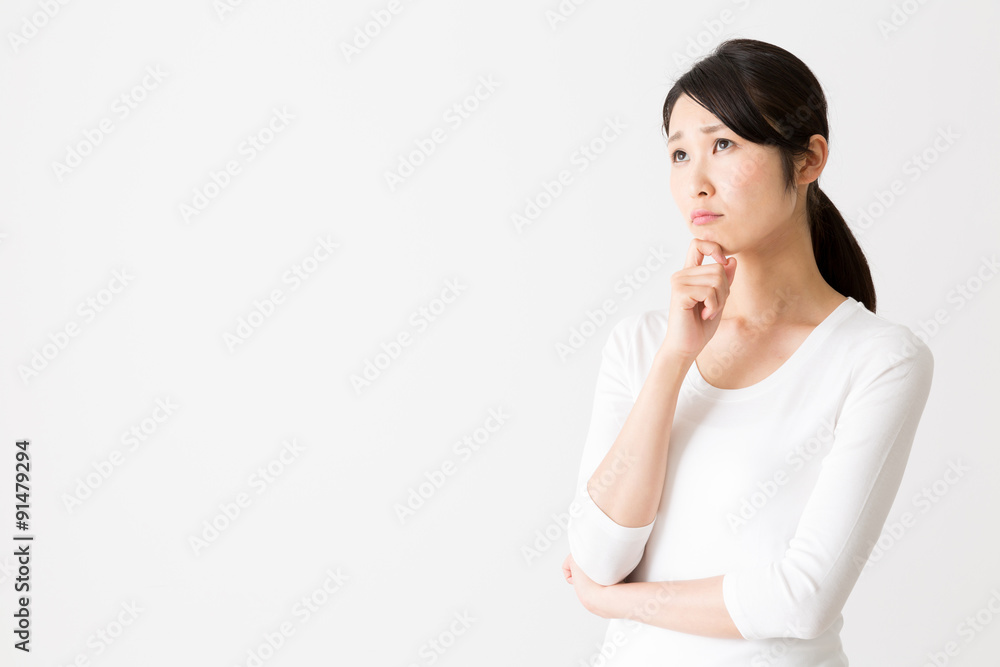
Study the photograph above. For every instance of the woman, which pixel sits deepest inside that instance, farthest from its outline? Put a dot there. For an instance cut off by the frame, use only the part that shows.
(747, 442)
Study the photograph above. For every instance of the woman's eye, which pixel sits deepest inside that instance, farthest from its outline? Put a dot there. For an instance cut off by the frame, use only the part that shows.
(683, 154)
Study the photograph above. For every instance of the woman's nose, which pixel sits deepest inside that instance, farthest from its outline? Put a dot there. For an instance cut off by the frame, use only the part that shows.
(699, 182)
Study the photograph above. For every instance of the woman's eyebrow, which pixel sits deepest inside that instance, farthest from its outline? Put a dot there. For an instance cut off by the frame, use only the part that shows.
(706, 129)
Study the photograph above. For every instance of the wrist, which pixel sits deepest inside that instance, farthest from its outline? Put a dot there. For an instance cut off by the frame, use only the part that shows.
(672, 363)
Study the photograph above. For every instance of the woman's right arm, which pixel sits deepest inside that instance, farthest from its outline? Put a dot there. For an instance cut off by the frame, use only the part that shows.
(628, 483)
(618, 506)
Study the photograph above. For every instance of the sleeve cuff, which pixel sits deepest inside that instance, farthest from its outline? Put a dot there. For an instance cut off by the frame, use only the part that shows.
(733, 606)
(605, 550)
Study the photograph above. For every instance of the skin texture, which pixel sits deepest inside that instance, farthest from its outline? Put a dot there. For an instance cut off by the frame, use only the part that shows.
(724, 317)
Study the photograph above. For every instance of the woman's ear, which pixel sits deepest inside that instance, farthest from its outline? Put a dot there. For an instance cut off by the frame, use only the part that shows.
(810, 165)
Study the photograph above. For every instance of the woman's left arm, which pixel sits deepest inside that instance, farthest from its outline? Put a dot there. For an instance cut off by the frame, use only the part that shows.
(695, 606)
(802, 594)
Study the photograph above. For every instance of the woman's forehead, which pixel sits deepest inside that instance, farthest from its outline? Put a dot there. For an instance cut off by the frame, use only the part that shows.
(687, 116)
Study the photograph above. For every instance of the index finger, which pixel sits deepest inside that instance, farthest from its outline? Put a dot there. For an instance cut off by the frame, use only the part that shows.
(699, 249)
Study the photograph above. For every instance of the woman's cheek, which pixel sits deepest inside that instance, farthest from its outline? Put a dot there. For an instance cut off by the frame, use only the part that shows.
(746, 174)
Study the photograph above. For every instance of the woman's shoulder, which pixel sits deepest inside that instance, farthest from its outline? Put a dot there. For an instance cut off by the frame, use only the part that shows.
(858, 343)
(638, 336)
(869, 344)
(632, 344)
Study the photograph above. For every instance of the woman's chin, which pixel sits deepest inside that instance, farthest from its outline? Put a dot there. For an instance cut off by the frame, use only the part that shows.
(710, 235)
(704, 234)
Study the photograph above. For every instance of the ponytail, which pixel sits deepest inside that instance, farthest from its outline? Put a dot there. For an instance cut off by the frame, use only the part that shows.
(838, 255)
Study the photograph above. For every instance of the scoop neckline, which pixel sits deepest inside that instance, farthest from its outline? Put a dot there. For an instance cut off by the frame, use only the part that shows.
(811, 342)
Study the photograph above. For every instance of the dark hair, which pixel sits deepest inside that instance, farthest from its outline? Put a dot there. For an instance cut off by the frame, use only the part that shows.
(768, 96)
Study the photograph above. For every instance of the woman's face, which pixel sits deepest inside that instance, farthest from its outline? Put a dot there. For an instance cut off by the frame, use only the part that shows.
(721, 172)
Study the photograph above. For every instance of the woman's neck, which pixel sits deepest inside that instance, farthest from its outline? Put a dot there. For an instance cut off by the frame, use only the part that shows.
(780, 276)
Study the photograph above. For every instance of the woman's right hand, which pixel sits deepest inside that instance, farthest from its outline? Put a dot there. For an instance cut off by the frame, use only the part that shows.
(697, 297)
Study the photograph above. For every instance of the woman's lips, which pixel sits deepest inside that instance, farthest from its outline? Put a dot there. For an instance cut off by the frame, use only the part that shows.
(702, 219)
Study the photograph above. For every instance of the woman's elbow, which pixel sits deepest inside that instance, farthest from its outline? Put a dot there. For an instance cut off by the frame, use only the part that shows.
(601, 568)
(603, 574)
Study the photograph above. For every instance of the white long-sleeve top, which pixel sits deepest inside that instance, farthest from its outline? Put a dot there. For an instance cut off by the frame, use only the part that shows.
(783, 487)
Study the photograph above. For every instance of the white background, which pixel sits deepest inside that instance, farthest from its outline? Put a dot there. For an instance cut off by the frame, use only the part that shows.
(333, 506)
